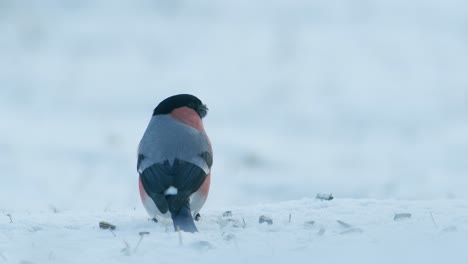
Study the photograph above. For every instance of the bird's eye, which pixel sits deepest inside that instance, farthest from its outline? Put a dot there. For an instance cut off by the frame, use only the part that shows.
(202, 110)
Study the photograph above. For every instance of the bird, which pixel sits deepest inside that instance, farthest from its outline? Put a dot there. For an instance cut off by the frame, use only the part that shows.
(174, 161)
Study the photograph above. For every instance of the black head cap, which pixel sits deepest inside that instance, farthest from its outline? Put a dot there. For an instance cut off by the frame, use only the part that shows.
(181, 100)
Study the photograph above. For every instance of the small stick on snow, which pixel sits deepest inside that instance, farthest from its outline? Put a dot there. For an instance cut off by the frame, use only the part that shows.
(126, 249)
(343, 224)
(433, 221)
(289, 218)
(181, 243)
(321, 231)
(9, 216)
(142, 234)
(53, 209)
(353, 230)
(243, 220)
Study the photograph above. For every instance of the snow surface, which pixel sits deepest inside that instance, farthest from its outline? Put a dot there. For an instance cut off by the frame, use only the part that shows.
(362, 99)
(374, 236)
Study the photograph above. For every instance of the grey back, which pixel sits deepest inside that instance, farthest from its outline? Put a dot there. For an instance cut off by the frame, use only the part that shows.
(167, 139)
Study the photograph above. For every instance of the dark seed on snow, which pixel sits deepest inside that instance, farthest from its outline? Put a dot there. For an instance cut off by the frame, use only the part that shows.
(324, 197)
(402, 216)
(227, 214)
(105, 225)
(264, 219)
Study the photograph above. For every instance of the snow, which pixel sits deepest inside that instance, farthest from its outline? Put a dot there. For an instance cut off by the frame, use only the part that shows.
(374, 235)
(363, 99)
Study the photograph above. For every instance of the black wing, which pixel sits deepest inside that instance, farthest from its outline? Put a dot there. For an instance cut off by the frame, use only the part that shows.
(186, 177)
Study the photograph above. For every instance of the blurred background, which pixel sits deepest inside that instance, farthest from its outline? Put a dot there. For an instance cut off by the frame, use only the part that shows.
(362, 99)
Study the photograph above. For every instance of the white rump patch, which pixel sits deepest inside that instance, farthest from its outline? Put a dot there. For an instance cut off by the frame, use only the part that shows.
(171, 191)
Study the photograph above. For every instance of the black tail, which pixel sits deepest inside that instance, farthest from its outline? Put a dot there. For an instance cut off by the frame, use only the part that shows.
(183, 176)
(183, 219)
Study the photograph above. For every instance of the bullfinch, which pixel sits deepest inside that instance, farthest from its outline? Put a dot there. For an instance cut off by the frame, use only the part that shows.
(174, 161)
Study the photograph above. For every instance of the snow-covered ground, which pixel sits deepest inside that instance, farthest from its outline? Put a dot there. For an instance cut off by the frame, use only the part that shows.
(365, 99)
(436, 233)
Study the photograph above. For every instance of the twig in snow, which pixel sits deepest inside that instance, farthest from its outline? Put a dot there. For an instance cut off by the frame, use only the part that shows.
(343, 224)
(126, 250)
(243, 220)
(433, 221)
(349, 228)
(321, 231)
(181, 243)
(142, 234)
(289, 218)
(9, 216)
(354, 230)
(53, 209)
